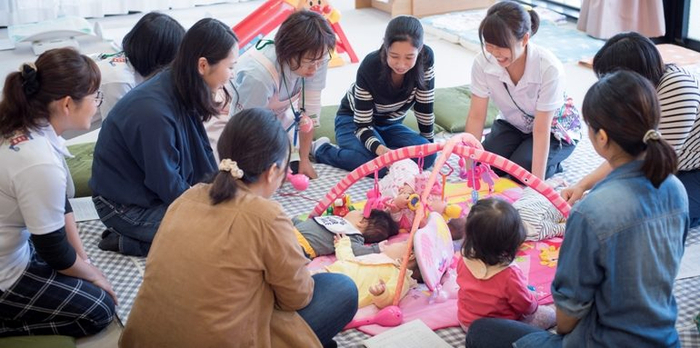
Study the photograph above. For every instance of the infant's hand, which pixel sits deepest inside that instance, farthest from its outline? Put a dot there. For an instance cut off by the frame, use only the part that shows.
(382, 245)
(338, 237)
(377, 289)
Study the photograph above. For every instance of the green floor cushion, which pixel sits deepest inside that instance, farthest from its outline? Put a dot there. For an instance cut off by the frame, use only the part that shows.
(452, 106)
(80, 167)
(38, 342)
(327, 128)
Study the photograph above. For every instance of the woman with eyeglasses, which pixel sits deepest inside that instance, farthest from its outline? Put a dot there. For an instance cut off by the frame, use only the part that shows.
(47, 286)
(153, 146)
(390, 81)
(538, 126)
(286, 76)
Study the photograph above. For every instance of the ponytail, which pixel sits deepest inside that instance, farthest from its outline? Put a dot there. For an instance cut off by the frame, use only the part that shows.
(660, 159)
(246, 152)
(625, 105)
(14, 107)
(534, 22)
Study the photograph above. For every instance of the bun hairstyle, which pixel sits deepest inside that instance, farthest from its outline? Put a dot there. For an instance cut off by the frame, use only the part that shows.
(506, 23)
(625, 105)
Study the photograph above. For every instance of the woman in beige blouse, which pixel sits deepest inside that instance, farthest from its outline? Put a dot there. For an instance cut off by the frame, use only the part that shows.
(225, 269)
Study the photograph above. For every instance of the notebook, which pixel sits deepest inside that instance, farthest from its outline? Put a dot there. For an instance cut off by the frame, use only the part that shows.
(414, 334)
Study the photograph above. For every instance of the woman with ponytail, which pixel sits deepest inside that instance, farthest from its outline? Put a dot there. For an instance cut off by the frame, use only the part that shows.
(47, 286)
(226, 269)
(679, 98)
(538, 126)
(627, 233)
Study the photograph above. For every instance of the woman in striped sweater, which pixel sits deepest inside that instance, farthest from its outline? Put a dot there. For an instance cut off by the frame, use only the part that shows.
(390, 81)
(679, 98)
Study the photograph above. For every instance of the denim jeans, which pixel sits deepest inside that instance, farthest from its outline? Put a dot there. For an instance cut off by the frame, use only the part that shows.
(509, 142)
(351, 154)
(333, 306)
(691, 182)
(136, 226)
(496, 333)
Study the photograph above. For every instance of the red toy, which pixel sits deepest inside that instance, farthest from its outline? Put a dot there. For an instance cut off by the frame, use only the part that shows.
(272, 13)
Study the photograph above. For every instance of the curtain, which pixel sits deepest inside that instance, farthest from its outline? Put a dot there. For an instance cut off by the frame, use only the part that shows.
(14, 12)
(605, 18)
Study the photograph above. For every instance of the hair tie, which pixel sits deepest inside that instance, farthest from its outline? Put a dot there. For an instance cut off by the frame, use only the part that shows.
(652, 134)
(30, 84)
(227, 165)
(527, 8)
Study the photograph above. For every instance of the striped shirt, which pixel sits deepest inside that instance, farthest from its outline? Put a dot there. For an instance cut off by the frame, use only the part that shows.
(372, 101)
(679, 96)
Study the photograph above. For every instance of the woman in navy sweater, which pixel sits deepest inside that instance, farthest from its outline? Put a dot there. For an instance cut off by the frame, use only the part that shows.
(153, 146)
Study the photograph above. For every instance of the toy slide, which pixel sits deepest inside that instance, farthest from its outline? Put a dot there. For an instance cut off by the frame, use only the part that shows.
(263, 20)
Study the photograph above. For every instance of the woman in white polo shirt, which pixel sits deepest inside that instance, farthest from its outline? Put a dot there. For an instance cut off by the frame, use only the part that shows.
(538, 127)
(46, 286)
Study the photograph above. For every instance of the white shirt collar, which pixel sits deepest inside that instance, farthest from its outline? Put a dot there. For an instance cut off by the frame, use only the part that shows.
(57, 141)
(531, 74)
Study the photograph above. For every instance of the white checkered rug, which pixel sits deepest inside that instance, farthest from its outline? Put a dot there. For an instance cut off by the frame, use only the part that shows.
(126, 273)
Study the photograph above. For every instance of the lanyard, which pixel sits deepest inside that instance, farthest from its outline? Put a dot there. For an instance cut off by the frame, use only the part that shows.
(516, 104)
(297, 113)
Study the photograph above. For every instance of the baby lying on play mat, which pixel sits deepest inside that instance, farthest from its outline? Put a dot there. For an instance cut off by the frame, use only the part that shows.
(316, 235)
(402, 182)
(376, 275)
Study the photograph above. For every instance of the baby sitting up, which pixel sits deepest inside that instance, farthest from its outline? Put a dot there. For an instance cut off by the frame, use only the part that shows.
(375, 275)
(316, 235)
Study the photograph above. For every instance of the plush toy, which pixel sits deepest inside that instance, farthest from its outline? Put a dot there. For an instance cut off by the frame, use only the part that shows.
(341, 206)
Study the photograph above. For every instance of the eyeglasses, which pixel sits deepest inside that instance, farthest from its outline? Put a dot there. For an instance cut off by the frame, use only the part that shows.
(99, 98)
(318, 63)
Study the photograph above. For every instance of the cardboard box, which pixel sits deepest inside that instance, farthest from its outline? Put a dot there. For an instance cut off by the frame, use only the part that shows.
(422, 8)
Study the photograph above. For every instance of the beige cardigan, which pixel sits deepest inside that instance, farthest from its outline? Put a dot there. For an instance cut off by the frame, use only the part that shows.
(230, 275)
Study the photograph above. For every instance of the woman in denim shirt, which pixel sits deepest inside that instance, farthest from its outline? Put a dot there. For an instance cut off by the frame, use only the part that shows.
(624, 240)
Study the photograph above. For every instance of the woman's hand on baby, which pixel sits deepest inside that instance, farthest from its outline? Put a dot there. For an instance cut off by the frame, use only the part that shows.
(377, 289)
(572, 194)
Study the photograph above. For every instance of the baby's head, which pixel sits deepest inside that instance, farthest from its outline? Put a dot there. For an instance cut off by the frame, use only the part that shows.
(377, 227)
(493, 233)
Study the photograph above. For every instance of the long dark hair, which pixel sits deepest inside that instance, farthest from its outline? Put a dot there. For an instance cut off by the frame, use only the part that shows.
(493, 233)
(303, 32)
(630, 51)
(506, 23)
(408, 29)
(211, 39)
(56, 74)
(152, 43)
(625, 105)
(255, 140)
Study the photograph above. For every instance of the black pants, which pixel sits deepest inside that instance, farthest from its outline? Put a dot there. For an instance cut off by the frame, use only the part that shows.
(509, 142)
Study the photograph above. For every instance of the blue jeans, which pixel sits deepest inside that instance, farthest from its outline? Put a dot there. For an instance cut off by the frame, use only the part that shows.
(351, 154)
(509, 142)
(497, 333)
(333, 306)
(136, 226)
(691, 182)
